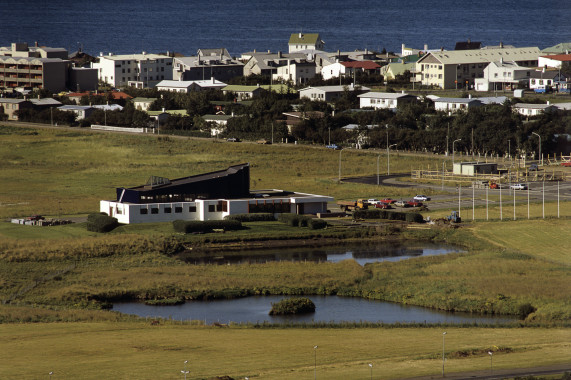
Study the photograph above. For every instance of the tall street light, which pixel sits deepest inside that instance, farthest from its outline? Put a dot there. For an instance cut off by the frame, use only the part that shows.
(341, 150)
(371, 365)
(443, 336)
(315, 363)
(185, 372)
(329, 128)
(491, 356)
(453, 151)
(389, 158)
(378, 158)
(533, 133)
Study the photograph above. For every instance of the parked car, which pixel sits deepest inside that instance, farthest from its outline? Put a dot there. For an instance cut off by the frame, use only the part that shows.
(414, 203)
(373, 201)
(233, 139)
(383, 206)
(519, 186)
(402, 203)
(422, 198)
(333, 146)
(388, 201)
(567, 164)
(533, 168)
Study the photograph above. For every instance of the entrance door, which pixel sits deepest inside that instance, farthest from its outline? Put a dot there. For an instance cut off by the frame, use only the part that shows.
(299, 209)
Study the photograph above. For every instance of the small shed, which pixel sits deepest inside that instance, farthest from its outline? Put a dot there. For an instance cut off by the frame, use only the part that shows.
(473, 168)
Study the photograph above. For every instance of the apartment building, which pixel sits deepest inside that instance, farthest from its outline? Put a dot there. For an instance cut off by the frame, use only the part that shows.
(138, 70)
(461, 68)
(208, 63)
(33, 73)
(305, 41)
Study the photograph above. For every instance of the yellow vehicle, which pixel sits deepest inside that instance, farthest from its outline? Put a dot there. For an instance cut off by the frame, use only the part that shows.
(359, 204)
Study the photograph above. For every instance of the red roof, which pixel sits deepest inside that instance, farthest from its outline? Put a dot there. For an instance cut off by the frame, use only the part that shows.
(559, 57)
(115, 94)
(367, 65)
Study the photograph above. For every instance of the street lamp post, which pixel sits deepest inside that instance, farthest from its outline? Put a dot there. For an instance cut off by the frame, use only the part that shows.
(329, 128)
(491, 356)
(52, 116)
(315, 363)
(378, 158)
(540, 160)
(389, 158)
(341, 150)
(185, 372)
(443, 336)
(453, 151)
(371, 365)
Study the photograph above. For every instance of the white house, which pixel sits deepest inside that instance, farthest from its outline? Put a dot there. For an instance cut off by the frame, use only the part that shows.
(139, 70)
(296, 72)
(348, 69)
(553, 60)
(329, 93)
(527, 109)
(143, 104)
(386, 100)
(503, 75)
(455, 104)
(540, 80)
(81, 112)
(190, 85)
(305, 41)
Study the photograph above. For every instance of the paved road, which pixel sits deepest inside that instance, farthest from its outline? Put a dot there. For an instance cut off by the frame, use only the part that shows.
(502, 373)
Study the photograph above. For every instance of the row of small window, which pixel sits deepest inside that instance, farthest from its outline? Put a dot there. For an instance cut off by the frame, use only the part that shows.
(166, 210)
(321, 96)
(426, 67)
(383, 101)
(145, 78)
(540, 81)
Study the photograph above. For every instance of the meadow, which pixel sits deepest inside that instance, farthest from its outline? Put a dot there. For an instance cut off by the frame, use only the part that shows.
(67, 275)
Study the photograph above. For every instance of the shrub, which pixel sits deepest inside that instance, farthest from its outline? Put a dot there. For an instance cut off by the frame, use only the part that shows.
(188, 226)
(293, 306)
(101, 223)
(414, 217)
(294, 220)
(317, 224)
(261, 217)
(524, 310)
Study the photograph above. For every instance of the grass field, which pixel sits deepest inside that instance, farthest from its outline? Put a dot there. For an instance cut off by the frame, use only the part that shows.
(140, 351)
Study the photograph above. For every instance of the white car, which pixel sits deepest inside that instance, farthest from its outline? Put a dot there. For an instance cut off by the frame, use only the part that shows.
(519, 186)
(373, 201)
(422, 198)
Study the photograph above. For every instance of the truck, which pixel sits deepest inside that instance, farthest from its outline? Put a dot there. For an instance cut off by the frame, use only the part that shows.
(454, 217)
(359, 204)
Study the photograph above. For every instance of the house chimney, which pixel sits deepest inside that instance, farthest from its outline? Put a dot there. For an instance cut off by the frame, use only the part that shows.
(425, 48)
(441, 48)
(548, 102)
(36, 44)
(468, 40)
(163, 109)
(300, 35)
(279, 54)
(402, 47)
(469, 96)
(213, 80)
(501, 45)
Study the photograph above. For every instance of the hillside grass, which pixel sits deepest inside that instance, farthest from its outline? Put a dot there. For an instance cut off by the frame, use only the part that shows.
(126, 350)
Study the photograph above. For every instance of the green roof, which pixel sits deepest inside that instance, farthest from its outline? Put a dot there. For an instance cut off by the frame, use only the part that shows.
(279, 88)
(559, 48)
(239, 88)
(143, 100)
(304, 38)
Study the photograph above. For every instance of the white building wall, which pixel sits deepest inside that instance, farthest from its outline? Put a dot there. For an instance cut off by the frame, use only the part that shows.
(332, 71)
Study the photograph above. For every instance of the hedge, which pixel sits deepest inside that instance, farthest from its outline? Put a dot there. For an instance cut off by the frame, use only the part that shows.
(317, 224)
(261, 217)
(390, 215)
(293, 306)
(188, 226)
(101, 222)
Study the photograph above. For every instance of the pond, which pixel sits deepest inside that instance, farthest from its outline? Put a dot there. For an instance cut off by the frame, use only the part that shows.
(361, 253)
(327, 309)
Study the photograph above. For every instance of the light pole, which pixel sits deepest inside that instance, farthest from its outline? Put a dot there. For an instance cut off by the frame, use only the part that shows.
(540, 161)
(443, 335)
(378, 158)
(185, 372)
(453, 151)
(389, 158)
(491, 356)
(371, 365)
(329, 129)
(315, 363)
(341, 150)
(52, 116)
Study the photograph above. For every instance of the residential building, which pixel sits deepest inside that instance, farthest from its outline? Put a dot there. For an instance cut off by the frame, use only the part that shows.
(503, 75)
(208, 63)
(393, 69)
(266, 64)
(329, 93)
(452, 105)
(460, 68)
(554, 61)
(349, 69)
(12, 106)
(81, 112)
(528, 109)
(143, 104)
(209, 196)
(243, 92)
(22, 50)
(294, 72)
(561, 48)
(295, 118)
(542, 80)
(191, 85)
(305, 41)
(138, 70)
(385, 100)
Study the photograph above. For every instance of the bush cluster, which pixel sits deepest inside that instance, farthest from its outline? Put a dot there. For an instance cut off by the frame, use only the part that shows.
(261, 217)
(188, 226)
(390, 215)
(101, 222)
(293, 306)
(295, 220)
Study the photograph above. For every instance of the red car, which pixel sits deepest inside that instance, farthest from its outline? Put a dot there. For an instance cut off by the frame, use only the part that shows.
(567, 164)
(388, 201)
(383, 205)
(414, 203)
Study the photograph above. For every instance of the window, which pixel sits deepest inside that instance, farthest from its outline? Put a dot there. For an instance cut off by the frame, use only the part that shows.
(154, 210)
(168, 210)
(143, 211)
(533, 81)
(191, 208)
(123, 71)
(178, 210)
(439, 67)
(439, 76)
(495, 75)
(211, 208)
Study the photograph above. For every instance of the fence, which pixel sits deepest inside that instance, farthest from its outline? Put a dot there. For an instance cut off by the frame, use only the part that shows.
(121, 129)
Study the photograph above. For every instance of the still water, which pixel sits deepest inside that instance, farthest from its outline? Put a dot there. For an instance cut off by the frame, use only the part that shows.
(327, 309)
(361, 253)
